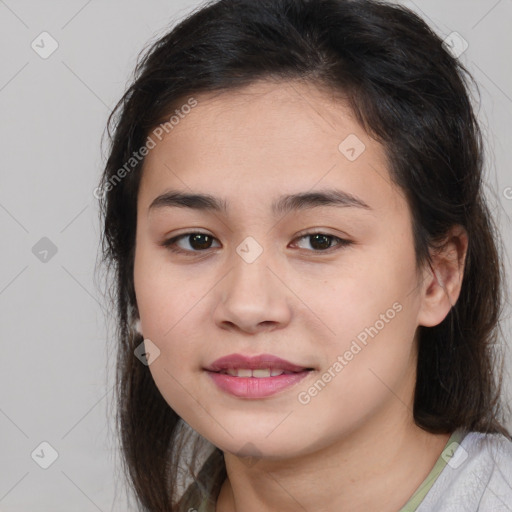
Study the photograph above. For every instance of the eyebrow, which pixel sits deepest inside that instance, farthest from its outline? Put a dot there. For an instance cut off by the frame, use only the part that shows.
(283, 205)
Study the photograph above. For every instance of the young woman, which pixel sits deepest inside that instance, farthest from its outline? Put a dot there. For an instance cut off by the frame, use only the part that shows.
(307, 278)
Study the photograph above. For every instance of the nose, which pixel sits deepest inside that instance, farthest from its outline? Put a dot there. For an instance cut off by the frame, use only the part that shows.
(253, 297)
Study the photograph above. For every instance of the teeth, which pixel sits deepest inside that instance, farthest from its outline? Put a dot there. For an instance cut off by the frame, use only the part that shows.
(258, 373)
(261, 372)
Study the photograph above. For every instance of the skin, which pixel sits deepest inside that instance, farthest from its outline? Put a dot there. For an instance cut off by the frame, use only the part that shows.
(354, 446)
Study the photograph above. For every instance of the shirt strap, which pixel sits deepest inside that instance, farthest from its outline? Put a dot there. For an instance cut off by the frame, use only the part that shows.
(449, 450)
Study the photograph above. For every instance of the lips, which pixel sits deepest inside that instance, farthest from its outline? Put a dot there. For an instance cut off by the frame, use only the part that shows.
(255, 377)
(235, 364)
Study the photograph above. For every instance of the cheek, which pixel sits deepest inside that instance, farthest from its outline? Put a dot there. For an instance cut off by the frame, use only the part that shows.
(371, 315)
(360, 378)
(356, 293)
(167, 320)
(166, 305)
(165, 293)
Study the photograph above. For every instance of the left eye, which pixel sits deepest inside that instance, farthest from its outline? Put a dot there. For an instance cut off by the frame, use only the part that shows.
(200, 242)
(322, 241)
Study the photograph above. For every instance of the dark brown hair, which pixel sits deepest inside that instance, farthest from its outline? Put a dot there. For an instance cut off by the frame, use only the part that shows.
(411, 95)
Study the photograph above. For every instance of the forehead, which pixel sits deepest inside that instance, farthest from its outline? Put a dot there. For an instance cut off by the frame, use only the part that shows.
(267, 139)
(283, 115)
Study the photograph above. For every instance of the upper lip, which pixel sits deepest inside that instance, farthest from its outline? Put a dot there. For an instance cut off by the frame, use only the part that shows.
(236, 361)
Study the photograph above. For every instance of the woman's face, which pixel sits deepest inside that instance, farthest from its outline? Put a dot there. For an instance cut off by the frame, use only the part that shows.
(254, 283)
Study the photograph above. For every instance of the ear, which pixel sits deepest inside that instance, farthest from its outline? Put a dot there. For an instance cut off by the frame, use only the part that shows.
(442, 281)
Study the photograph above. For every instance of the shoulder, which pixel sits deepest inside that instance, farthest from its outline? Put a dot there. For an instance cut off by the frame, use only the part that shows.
(478, 476)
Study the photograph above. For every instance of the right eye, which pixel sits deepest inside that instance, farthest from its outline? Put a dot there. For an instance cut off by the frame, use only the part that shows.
(198, 240)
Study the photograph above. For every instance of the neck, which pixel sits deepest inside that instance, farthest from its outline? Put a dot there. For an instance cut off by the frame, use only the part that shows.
(368, 469)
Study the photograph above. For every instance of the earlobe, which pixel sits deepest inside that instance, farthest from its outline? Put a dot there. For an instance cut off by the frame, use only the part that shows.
(137, 326)
(443, 282)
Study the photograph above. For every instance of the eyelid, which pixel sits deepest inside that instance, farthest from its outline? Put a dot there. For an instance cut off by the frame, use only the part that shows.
(318, 231)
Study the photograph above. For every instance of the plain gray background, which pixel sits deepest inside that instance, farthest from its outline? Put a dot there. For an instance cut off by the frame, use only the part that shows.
(55, 386)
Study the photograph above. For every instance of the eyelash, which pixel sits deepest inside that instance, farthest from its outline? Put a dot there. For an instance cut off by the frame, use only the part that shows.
(170, 244)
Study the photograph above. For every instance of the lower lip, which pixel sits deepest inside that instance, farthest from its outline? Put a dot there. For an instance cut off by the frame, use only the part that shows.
(254, 387)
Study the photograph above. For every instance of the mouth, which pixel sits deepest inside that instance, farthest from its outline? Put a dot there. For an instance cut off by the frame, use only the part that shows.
(255, 377)
(257, 383)
(259, 366)
(258, 373)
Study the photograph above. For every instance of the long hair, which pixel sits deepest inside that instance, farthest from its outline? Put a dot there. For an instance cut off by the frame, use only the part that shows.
(409, 93)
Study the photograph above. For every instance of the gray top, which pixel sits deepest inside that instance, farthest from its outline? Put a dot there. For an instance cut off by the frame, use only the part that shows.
(478, 477)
